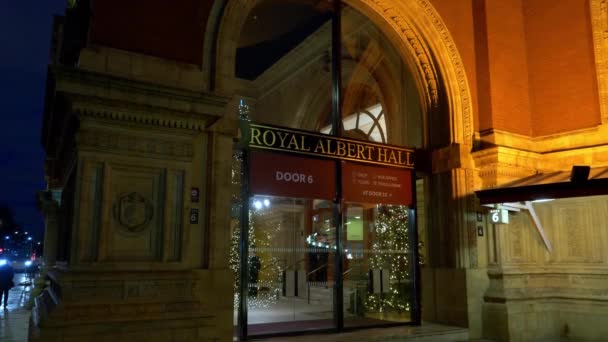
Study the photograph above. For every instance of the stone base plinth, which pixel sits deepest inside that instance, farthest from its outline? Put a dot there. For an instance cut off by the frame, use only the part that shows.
(193, 305)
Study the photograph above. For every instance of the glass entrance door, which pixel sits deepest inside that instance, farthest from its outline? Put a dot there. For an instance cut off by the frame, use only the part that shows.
(290, 261)
(378, 265)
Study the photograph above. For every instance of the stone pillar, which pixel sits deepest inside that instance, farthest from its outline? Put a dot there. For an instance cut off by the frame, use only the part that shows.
(454, 278)
(50, 208)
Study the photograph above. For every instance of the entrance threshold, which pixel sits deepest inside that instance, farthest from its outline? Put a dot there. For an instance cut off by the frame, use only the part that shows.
(427, 332)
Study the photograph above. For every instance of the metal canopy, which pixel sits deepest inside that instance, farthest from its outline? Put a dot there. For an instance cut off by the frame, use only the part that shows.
(520, 194)
(547, 186)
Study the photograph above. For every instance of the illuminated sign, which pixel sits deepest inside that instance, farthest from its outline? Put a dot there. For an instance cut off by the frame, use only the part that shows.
(372, 184)
(319, 145)
(291, 176)
(499, 216)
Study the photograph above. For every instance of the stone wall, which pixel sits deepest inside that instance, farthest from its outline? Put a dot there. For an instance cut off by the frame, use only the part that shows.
(140, 267)
(535, 294)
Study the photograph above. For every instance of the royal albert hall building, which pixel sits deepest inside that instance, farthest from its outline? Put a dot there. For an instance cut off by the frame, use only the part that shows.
(226, 170)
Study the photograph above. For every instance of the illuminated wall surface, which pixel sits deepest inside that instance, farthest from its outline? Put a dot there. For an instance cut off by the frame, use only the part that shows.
(141, 125)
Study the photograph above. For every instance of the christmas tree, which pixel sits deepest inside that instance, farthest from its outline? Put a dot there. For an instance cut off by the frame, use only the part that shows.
(268, 267)
(391, 246)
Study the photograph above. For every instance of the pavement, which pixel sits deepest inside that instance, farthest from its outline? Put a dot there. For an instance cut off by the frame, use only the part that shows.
(14, 320)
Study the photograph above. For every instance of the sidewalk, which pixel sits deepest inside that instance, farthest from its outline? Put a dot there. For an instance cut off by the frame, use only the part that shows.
(14, 320)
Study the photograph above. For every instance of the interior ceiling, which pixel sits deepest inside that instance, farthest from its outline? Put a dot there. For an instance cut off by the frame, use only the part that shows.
(272, 19)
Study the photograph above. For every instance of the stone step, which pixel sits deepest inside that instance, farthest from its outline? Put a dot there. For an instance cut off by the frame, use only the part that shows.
(428, 332)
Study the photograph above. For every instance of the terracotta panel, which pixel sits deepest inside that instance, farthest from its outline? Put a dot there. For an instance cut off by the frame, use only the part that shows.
(508, 68)
(563, 82)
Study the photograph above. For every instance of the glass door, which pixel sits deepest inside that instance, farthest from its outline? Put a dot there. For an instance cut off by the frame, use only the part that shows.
(290, 261)
(378, 265)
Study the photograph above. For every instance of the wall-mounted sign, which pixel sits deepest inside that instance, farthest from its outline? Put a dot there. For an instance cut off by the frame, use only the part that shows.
(193, 216)
(319, 145)
(499, 216)
(290, 176)
(372, 184)
(194, 195)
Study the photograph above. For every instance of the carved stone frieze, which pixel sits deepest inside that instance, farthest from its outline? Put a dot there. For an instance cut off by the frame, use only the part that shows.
(135, 114)
(109, 140)
(420, 48)
(457, 65)
(119, 99)
(408, 35)
(599, 21)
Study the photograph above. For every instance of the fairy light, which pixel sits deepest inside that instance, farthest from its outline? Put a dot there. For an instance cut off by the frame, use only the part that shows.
(391, 234)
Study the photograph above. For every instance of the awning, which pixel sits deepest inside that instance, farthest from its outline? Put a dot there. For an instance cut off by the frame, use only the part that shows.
(547, 186)
(521, 194)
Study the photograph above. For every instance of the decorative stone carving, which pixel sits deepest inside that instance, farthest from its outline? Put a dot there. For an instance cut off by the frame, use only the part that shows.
(425, 67)
(599, 20)
(424, 60)
(407, 28)
(133, 212)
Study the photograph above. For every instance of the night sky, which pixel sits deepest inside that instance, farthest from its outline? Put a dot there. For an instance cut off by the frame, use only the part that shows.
(25, 35)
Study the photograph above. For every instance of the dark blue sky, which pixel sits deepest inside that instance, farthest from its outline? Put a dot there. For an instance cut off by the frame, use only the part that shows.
(25, 35)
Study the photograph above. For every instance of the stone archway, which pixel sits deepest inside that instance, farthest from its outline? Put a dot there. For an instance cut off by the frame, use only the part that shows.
(417, 31)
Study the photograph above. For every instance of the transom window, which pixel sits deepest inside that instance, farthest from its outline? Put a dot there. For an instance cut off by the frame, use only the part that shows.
(369, 123)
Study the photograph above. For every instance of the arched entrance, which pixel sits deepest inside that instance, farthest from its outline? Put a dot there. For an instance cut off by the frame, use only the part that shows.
(416, 30)
(432, 75)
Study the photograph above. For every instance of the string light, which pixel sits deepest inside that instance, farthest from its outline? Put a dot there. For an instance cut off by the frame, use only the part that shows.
(391, 233)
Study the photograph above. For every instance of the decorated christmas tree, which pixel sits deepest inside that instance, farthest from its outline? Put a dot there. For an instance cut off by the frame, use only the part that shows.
(265, 268)
(391, 255)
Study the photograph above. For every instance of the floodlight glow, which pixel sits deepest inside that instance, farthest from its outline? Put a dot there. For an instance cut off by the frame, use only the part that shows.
(266, 202)
(28, 263)
(349, 256)
(257, 204)
(2, 262)
(29, 238)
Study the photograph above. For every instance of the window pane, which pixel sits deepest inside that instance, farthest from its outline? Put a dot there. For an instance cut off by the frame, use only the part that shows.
(377, 260)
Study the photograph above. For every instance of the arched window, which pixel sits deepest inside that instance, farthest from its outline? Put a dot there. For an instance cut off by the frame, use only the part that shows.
(367, 124)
